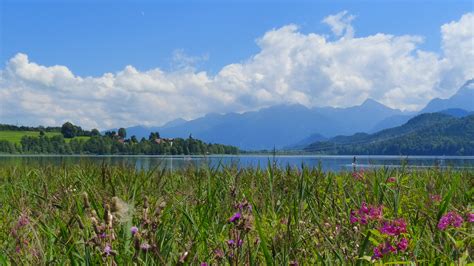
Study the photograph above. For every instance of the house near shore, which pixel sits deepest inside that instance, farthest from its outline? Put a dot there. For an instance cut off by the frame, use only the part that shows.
(163, 140)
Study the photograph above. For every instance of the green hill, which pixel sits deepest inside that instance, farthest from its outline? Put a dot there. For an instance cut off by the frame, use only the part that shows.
(15, 136)
(426, 134)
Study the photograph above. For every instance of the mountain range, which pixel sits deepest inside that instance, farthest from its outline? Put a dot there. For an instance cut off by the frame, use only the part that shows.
(296, 126)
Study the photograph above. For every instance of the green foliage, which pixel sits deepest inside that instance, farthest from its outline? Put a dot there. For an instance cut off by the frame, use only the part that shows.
(296, 215)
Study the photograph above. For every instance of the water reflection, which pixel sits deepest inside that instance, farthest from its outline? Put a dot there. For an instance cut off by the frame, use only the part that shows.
(328, 163)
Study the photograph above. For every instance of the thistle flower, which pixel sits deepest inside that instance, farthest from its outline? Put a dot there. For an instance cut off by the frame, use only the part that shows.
(391, 179)
(204, 264)
(235, 217)
(107, 250)
(134, 230)
(145, 247)
(120, 209)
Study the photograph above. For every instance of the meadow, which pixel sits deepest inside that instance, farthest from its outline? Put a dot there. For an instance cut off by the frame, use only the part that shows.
(15, 136)
(116, 215)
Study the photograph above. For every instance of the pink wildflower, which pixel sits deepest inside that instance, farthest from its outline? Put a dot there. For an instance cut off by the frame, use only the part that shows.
(391, 180)
(402, 244)
(435, 197)
(450, 218)
(470, 217)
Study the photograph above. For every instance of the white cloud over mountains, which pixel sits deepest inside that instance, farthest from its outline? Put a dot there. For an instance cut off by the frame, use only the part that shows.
(291, 67)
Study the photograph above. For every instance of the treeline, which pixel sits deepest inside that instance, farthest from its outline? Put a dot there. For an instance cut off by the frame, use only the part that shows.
(4, 127)
(104, 145)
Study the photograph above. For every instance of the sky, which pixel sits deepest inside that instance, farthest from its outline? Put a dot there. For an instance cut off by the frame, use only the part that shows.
(104, 64)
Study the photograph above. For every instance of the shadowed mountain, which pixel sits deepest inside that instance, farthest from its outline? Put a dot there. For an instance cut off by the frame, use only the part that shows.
(463, 99)
(425, 134)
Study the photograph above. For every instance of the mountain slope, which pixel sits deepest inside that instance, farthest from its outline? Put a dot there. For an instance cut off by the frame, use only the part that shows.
(432, 133)
(463, 99)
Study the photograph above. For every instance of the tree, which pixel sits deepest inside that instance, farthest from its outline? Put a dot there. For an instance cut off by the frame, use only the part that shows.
(68, 130)
(122, 133)
(95, 132)
(133, 139)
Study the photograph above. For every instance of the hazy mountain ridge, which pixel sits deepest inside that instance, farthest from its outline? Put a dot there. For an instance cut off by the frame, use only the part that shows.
(276, 126)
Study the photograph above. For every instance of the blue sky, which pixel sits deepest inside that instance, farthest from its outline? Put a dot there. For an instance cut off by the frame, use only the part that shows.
(105, 64)
(93, 37)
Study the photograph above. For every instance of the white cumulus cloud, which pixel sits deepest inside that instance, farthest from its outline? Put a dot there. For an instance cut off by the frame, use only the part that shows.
(290, 67)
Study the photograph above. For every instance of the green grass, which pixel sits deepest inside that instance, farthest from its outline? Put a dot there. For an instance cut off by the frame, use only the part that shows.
(15, 136)
(295, 216)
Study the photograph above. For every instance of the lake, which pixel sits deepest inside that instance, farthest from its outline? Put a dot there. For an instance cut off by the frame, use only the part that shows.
(328, 163)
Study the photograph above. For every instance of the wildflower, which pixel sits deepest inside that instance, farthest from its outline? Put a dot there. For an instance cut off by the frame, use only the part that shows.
(402, 244)
(293, 263)
(358, 175)
(240, 242)
(107, 250)
(470, 217)
(450, 218)
(134, 230)
(393, 228)
(435, 197)
(145, 247)
(219, 254)
(23, 220)
(366, 213)
(204, 264)
(391, 180)
(231, 242)
(235, 217)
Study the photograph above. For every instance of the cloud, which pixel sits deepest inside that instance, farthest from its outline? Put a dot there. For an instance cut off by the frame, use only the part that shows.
(340, 24)
(290, 67)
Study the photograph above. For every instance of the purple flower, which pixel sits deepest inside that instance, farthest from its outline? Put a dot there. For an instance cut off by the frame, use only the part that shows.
(450, 218)
(402, 244)
(364, 209)
(107, 250)
(103, 235)
(293, 263)
(235, 217)
(240, 242)
(353, 219)
(375, 213)
(391, 180)
(377, 253)
(23, 220)
(204, 264)
(134, 230)
(145, 247)
(393, 228)
(435, 198)
(231, 242)
(470, 217)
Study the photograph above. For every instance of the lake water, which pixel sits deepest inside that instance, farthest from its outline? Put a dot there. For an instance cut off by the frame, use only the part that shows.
(328, 163)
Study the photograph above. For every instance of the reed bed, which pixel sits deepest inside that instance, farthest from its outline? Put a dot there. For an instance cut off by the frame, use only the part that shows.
(89, 214)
